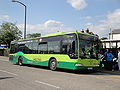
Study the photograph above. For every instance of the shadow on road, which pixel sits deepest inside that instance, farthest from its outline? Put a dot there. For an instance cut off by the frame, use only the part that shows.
(1, 78)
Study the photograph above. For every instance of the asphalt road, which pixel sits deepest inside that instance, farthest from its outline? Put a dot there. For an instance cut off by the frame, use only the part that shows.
(27, 77)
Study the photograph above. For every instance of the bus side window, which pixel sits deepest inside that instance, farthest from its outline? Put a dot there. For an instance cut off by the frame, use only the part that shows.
(64, 49)
(30, 46)
(73, 47)
(14, 48)
(42, 48)
(68, 48)
(27, 49)
(21, 47)
(54, 47)
(34, 48)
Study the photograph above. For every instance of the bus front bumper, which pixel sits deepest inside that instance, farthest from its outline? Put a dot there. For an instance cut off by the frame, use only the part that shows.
(88, 68)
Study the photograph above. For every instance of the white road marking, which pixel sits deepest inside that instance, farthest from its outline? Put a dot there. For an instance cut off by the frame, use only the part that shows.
(47, 84)
(9, 72)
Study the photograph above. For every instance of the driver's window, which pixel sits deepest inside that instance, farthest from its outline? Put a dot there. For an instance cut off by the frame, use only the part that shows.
(68, 46)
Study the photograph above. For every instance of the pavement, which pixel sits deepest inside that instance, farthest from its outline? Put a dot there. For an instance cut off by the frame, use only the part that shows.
(29, 77)
(111, 72)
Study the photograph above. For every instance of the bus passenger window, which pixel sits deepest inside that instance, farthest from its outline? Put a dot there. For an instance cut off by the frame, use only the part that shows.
(73, 47)
(42, 48)
(14, 48)
(54, 47)
(34, 48)
(64, 49)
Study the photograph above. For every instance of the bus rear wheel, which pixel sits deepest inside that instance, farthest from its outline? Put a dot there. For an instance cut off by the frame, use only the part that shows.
(20, 61)
(53, 64)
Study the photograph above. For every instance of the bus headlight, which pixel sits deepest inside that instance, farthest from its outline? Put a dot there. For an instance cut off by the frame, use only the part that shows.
(97, 65)
(78, 64)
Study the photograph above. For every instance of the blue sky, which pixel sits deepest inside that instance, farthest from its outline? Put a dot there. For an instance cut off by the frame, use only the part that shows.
(49, 16)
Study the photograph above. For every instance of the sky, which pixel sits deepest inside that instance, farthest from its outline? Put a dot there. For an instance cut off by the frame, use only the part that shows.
(51, 16)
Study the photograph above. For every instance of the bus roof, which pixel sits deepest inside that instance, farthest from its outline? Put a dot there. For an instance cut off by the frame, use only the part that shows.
(54, 34)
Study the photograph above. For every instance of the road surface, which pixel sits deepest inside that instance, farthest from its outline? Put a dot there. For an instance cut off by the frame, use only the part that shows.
(28, 77)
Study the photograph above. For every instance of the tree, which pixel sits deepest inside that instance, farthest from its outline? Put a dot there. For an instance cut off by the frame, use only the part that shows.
(33, 35)
(9, 32)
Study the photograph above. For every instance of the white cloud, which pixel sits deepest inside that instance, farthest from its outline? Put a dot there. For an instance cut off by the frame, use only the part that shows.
(53, 23)
(77, 4)
(88, 24)
(50, 26)
(4, 17)
(112, 21)
(92, 17)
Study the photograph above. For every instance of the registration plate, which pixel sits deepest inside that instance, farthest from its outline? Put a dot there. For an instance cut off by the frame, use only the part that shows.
(90, 68)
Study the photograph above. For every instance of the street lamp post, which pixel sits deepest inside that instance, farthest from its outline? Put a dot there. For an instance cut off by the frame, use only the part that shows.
(25, 16)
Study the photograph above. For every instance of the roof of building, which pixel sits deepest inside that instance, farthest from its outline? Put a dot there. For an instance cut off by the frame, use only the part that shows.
(110, 40)
(116, 31)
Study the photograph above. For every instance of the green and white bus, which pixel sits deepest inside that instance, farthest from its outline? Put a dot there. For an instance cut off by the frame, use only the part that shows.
(76, 51)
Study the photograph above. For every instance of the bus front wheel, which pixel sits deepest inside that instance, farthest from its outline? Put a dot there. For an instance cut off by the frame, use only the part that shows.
(20, 61)
(53, 64)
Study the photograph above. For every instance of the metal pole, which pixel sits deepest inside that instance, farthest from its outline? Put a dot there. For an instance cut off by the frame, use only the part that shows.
(25, 16)
(25, 23)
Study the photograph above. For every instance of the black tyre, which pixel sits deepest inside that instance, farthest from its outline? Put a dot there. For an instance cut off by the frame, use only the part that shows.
(20, 61)
(53, 64)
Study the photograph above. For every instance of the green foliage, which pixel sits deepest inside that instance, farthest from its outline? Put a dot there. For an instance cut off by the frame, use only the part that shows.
(9, 32)
(33, 35)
